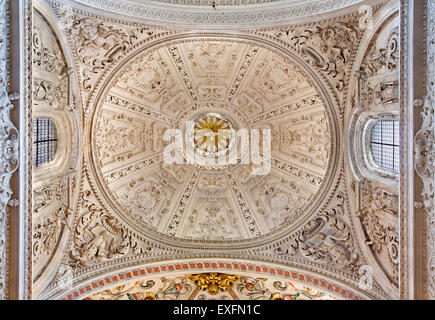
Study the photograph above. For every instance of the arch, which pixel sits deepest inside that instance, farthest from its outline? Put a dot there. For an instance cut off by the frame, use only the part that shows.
(145, 271)
(54, 97)
(105, 81)
(359, 117)
(51, 100)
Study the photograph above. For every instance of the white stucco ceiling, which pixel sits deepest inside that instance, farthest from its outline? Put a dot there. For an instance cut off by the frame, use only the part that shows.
(202, 14)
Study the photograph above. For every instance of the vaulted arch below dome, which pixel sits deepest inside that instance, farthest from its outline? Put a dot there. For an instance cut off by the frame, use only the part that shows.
(212, 279)
(244, 86)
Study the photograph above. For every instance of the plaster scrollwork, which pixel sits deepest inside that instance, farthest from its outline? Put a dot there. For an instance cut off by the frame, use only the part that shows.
(431, 98)
(236, 14)
(98, 237)
(244, 207)
(9, 151)
(213, 286)
(385, 92)
(383, 59)
(53, 191)
(46, 58)
(98, 43)
(50, 94)
(328, 240)
(328, 48)
(376, 97)
(424, 146)
(46, 233)
(213, 224)
(9, 143)
(379, 217)
(378, 74)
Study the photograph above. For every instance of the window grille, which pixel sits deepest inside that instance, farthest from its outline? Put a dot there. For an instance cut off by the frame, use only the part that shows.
(385, 146)
(45, 141)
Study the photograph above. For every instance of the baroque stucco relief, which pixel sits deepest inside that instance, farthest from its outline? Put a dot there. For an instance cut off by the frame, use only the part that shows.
(213, 286)
(126, 134)
(376, 191)
(136, 81)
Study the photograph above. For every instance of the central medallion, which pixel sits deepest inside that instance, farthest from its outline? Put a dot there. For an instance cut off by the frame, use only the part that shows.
(212, 134)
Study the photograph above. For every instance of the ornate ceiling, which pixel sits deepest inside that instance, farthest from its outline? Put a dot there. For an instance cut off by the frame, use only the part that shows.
(255, 88)
(216, 2)
(116, 207)
(203, 14)
(213, 286)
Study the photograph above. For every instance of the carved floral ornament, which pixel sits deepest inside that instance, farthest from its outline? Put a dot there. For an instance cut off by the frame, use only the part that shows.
(9, 143)
(379, 217)
(328, 48)
(213, 282)
(263, 282)
(242, 287)
(424, 156)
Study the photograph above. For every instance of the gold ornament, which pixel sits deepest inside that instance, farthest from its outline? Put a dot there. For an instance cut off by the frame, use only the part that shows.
(213, 282)
(212, 133)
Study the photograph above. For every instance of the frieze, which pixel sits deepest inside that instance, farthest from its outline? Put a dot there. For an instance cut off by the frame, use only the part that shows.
(9, 141)
(99, 238)
(237, 17)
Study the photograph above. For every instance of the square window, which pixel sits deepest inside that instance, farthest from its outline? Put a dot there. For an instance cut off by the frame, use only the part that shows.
(385, 136)
(44, 133)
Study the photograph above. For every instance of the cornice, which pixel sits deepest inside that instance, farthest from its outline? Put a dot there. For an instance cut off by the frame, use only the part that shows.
(201, 16)
(216, 2)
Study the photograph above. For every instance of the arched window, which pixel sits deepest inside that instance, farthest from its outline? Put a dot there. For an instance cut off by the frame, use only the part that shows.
(384, 145)
(45, 141)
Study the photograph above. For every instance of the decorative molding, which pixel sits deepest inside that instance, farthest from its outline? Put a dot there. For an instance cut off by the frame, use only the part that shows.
(213, 282)
(424, 158)
(406, 243)
(237, 16)
(431, 101)
(229, 266)
(336, 256)
(379, 216)
(9, 142)
(216, 2)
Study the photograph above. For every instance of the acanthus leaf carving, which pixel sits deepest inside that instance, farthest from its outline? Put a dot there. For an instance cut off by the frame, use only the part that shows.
(385, 58)
(98, 237)
(50, 216)
(98, 43)
(9, 144)
(424, 156)
(379, 217)
(327, 239)
(327, 48)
